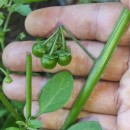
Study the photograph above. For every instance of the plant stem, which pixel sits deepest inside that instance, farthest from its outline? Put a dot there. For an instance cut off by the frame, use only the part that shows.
(63, 38)
(72, 37)
(7, 79)
(28, 85)
(98, 68)
(7, 21)
(31, 1)
(3, 71)
(2, 42)
(6, 26)
(55, 42)
(51, 37)
(9, 107)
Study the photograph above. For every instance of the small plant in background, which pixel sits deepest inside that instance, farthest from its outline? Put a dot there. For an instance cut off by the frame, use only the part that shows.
(7, 8)
(51, 52)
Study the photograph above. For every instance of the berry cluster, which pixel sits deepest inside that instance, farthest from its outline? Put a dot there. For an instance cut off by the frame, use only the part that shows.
(53, 50)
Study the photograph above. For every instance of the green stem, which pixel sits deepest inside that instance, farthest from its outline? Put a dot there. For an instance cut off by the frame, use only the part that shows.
(28, 86)
(3, 71)
(63, 38)
(2, 42)
(55, 42)
(7, 79)
(51, 37)
(98, 68)
(71, 36)
(31, 1)
(9, 107)
(8, 17)
(6, 26)
(7, 21)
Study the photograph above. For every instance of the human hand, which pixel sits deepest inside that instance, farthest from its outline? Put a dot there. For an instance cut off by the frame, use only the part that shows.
(92, 24)
(126, 3)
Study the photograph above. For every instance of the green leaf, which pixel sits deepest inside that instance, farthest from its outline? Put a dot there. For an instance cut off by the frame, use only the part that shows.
(55, 93)
(29, 128)
(28, 1)
(33, 123)
(20, 123)
(18, 1)
(2, 33)
(12, 128)
(2, 15)
(21, 36)
(91, 125)
(21, 9)
(3, 3)
(31, 1)
(1, 18)
(9, 106)
(1, 21)
(18, 105)
(3, 112)
(9, 121)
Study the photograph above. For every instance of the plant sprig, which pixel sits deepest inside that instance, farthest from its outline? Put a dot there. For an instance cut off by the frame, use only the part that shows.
(51, 97)
(61, 53)
(101, 64)
(10, 6)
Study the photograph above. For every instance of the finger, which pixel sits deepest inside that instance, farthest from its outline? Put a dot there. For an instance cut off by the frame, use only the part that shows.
(126, 3)
(107, 122)
(124, 102)
(55, 120)
(88, 23)
(15, 59)
(102, 100)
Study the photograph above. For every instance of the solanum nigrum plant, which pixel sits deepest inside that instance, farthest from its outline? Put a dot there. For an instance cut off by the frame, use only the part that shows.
(100, 63)
(48, 102)
(55, 95)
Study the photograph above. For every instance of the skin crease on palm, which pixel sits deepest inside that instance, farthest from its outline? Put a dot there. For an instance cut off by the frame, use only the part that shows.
(92, 24)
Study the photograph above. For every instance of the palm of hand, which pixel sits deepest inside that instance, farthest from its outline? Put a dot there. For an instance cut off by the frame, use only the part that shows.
(109, 103)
